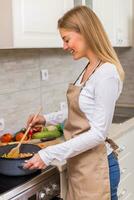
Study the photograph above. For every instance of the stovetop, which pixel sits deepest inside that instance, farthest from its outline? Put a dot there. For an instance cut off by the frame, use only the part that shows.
(9, 182)
(10, 185)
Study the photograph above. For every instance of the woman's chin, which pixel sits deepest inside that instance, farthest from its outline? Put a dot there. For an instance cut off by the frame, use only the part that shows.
(77, 57)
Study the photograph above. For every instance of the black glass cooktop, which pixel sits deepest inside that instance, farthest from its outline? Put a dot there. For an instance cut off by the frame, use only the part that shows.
(9, 182)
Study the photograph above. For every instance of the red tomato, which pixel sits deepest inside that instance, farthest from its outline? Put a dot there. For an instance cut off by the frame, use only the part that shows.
(30, 133)
(7, 137)
(19, 136)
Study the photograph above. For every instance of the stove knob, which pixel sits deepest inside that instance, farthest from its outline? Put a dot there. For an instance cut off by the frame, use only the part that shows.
(48, 191)
(55, 187)
(42, 195)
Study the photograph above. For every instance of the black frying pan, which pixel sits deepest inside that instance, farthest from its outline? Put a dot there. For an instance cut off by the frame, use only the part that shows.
(14, 166)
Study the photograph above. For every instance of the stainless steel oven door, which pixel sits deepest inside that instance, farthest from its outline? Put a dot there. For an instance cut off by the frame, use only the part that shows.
(45, 190)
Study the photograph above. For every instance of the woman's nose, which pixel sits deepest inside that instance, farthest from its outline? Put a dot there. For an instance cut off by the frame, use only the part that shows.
(65, 46)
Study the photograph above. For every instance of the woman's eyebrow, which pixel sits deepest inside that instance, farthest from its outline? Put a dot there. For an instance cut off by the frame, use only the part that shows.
(64, 37)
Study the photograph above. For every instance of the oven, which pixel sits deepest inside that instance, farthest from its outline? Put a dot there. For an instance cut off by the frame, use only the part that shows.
(42, 185)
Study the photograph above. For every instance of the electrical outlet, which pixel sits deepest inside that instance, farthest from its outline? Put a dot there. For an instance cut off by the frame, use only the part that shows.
(2, 124)
(63, 105)
(44, 74)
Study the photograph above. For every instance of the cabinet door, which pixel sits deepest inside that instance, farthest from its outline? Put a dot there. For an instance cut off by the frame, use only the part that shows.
(129, 197)
(116, 17)
(105, 10)
(35, 22)
(126, 187)
(126, 165)
(123, 22)
(126, 161)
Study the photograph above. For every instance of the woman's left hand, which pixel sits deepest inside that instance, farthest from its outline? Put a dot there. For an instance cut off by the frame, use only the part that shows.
(35, 163)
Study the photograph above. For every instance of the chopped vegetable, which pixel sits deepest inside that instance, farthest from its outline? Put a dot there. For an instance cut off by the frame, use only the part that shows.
(49, 131)
(46, 134)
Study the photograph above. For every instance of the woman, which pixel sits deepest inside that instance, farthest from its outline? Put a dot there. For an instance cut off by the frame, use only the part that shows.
(93, 169)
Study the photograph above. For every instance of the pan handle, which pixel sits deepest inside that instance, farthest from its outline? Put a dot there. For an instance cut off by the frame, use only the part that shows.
(21, 166)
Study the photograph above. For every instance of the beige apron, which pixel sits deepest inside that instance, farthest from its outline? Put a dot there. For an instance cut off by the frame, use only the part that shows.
(88, 172)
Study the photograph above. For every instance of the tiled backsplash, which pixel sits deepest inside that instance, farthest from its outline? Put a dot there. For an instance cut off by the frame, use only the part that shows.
(126, 56)
(22, 91)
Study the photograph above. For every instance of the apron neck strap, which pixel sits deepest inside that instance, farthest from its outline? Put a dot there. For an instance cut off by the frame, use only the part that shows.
(81, 73)
(93, 70)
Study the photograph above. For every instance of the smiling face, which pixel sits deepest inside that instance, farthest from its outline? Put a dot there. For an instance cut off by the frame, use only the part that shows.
(74, 43)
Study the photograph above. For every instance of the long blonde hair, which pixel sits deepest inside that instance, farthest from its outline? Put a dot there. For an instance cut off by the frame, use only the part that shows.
(83, 20)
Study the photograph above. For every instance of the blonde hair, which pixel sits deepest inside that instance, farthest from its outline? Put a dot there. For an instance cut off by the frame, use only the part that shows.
(83, 20)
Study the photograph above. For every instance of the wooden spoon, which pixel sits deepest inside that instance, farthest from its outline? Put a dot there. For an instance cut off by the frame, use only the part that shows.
(16, 150)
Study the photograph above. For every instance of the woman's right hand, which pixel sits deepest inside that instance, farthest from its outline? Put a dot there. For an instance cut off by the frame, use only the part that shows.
(40, 120)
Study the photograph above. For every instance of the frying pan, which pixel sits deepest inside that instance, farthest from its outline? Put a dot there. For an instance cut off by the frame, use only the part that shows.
(14, 166)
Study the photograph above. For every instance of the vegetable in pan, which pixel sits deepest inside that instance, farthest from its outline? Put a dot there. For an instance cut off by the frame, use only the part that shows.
(48, 132)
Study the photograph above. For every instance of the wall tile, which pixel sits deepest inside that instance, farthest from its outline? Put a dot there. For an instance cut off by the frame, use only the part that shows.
(51, 98)
(15, 107)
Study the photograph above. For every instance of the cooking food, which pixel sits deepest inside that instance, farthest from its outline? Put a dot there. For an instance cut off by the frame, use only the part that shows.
(14, 167)
(21, 155)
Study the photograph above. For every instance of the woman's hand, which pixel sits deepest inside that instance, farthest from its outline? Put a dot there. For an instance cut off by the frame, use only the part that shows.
(35, 163)
(40, 120)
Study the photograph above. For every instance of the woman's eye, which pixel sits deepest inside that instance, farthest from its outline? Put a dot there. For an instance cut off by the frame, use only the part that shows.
(66, 41)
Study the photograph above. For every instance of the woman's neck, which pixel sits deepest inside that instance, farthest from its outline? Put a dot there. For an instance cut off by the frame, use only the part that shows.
(93, 59)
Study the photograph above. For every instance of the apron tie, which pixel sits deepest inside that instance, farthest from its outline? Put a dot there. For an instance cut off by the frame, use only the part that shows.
(113, 145)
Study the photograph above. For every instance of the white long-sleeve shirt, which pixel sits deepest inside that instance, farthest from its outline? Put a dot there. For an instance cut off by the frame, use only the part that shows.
(97, 100)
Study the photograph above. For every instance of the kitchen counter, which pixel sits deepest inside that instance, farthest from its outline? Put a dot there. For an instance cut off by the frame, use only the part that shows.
(118, 130)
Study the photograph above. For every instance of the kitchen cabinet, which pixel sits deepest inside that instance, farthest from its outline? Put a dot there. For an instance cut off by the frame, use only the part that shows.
(126, 160)
(126, 187)
(31, 23)
(116, 17)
